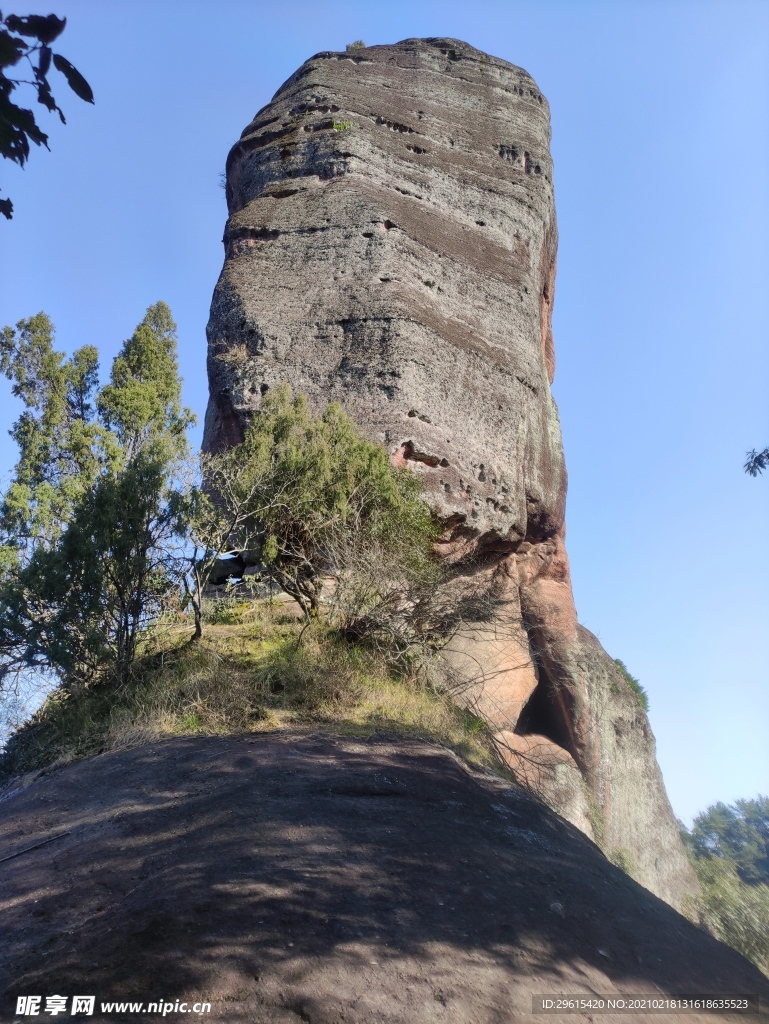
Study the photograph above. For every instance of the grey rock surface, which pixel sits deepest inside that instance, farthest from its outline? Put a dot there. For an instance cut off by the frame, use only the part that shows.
(391, 245)
(293, 877)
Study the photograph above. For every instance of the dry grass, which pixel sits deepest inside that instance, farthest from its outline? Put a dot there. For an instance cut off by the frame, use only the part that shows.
(255, 670)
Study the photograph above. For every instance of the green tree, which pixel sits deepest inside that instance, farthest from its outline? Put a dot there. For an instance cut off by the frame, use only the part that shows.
(737, 833)
(88, 521)
(729, 849)
(18, 126)
(62, 446)
(310, 490)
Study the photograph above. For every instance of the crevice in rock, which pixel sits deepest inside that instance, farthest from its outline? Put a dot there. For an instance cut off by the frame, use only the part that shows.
(257, 126)
(394, 126)
(413, 454)
(349, 56)
(548, 712)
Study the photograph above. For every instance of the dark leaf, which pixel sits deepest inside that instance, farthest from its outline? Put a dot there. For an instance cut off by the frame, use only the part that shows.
(45, 97)
(45, 61)
(24, 120)
(757, 462)
(6, 208)
(11, 50)
(75, 80)
(13, 142)
(17, 127)
(46, 29)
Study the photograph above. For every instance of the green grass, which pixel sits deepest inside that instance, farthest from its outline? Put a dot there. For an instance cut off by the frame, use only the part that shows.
(255, 669)
(641, 695)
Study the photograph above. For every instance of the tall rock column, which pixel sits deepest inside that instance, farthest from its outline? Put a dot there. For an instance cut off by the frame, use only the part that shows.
(391, 245)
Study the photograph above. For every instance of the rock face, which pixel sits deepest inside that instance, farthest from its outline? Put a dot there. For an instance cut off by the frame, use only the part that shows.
(293, 877)
(391, 245)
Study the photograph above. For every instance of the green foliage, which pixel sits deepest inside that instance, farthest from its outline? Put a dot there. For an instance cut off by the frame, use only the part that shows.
(312, 486)
(18, 126)
(61, 446)
(729, 849)
(86, 523)
(342, 126)
(633, 683)
(259, 670)
(736, 833)
(737, 913)
(357, 45)
(141, 405)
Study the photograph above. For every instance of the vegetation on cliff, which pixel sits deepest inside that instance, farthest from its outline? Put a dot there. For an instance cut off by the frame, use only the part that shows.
(634, 684)
(308, 494)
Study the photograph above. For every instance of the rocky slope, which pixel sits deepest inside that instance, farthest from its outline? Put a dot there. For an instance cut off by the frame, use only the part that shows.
(295, 877)
(391, 245)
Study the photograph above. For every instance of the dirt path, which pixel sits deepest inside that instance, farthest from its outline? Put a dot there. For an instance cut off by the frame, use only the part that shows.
(308, 878)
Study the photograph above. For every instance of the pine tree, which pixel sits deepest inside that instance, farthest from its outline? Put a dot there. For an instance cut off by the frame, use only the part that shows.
(87, 523)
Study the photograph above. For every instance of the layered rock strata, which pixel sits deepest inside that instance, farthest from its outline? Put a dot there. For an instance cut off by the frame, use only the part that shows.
(391, 245)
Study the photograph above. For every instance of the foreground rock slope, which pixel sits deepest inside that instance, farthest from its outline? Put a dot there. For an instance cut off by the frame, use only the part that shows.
(295, 877)
(391, 245)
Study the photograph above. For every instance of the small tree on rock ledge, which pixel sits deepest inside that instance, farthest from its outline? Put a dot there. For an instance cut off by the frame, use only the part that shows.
(310, 491)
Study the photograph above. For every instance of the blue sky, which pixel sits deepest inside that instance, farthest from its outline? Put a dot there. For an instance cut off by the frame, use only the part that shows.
(660, 114)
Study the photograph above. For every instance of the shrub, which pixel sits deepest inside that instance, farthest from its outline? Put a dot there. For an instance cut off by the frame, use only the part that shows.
(308, 491)
(635, 686)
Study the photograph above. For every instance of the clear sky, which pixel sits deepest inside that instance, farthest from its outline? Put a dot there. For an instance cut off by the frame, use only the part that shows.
(660, 115)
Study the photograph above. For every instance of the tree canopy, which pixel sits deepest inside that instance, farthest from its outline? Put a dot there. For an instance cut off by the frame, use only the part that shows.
(737, 833)
(95, 501)
(305, 486)
(729, 848)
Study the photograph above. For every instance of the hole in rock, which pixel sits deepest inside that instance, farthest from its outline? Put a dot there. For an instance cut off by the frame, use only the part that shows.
(412, 453)
(547, 714)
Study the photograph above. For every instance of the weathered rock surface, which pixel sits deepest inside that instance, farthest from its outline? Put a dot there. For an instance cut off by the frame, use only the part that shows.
(391, 245)
(292, 877)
